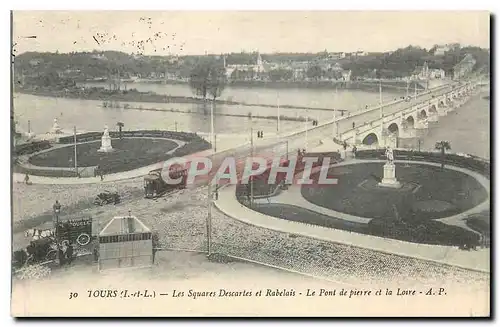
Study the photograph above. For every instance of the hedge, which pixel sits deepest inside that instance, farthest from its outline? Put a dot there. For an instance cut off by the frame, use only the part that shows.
(473, 163)
(31, 147)
(95, 136)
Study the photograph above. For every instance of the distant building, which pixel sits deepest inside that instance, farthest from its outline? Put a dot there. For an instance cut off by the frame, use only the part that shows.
(35, 62)
(360, 53)
(437, 73)
(442, 49)
(464, 67)
(421, 72)
(346, 75)
(99, 56)
(256, 65)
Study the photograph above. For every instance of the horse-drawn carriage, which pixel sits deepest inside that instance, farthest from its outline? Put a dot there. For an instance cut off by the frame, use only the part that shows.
(39, 250)
(44, 246)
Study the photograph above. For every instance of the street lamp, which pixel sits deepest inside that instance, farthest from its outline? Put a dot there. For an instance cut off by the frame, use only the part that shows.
(57, 210)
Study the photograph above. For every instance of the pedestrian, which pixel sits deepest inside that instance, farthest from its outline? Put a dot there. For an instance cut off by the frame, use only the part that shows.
(345, 145)
(354, 149)
(101, 174)
(96, 255)
(69, 253)
(27, 179)
(61, 257)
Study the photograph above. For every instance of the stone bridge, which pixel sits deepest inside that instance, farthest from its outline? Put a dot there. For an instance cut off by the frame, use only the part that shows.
(390, 124)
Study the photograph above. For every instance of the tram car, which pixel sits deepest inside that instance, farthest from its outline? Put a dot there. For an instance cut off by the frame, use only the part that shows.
(155, 186)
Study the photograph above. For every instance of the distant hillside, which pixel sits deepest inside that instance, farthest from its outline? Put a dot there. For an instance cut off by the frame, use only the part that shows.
(91, 65)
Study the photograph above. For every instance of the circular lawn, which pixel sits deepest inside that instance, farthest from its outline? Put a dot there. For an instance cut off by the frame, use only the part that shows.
(428, 192)
(128, 154)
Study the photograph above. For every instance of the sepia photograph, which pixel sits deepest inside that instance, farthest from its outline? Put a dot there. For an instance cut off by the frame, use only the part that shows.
(250, 163)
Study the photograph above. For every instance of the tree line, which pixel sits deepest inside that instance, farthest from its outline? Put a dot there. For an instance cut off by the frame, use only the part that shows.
(396, 64)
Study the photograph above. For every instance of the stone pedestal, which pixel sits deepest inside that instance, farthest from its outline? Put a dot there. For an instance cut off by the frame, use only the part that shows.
(389, 179)
(55, 128)
(106, 142)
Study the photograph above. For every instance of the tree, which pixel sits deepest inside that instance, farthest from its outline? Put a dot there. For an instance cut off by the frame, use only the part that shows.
(208, 77)
(120, 126)
(315, 72)
(442, 146)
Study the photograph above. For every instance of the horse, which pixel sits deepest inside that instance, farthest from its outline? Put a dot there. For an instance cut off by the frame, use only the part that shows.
(37, 234)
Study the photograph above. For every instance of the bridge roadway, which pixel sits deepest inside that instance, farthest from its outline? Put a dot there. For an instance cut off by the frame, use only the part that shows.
(311, 137)
(344, 123)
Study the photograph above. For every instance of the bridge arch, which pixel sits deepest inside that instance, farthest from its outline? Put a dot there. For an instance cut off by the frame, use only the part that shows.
(422, 114)
(370, 139)
(433, 109)
(393, 128)
(410, 121)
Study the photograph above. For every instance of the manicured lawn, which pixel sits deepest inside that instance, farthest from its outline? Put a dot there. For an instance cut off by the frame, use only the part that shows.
(434, 193)
(130, 153)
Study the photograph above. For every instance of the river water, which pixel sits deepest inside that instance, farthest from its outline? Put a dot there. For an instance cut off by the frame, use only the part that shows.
(467, 128)
(90, 114)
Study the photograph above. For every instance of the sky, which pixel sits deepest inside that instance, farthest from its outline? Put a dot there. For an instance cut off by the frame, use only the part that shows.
(197, 32)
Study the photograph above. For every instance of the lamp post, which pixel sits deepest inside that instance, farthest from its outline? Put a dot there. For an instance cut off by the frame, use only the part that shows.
(252, 155)
(57, 210)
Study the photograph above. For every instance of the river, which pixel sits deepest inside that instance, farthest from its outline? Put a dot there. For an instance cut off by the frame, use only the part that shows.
(319, 98)
(468, 128)
(90, 114)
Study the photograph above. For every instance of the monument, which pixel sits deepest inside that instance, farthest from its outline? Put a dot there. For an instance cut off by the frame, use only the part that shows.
(389, 179)
(55, 128)
(106, 141)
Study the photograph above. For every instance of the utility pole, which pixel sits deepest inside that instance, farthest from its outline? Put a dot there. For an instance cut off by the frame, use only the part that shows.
(251, 177)
(380, 100)
(212, 132)
(407, 87)
(57, 209)
(76, 163)
(209, 220)
(278, 126)
(335, 125)
(380, 91)
(307, 126)
(381, 112)
(176, 126)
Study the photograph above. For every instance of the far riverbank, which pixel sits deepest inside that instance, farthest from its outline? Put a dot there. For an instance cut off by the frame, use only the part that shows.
(132, 95)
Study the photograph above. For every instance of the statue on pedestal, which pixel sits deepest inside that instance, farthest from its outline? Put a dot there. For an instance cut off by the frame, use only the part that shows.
(106, 141)
(389, 155)
(389, 179)
(55, 128)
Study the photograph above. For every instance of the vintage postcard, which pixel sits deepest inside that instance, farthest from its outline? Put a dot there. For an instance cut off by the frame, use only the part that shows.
(318, 163)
